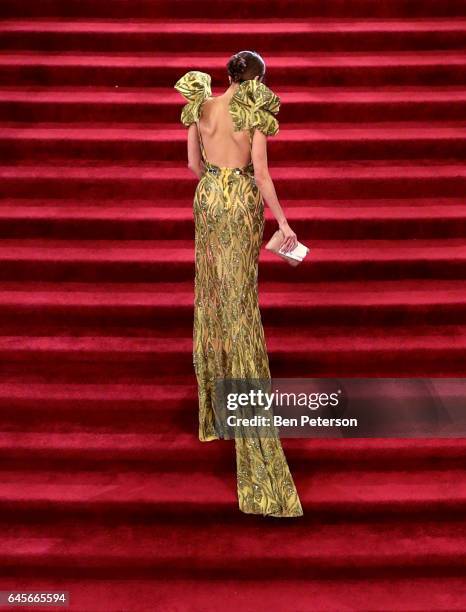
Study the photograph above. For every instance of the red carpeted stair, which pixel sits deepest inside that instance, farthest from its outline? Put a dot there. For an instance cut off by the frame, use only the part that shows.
(105, 490)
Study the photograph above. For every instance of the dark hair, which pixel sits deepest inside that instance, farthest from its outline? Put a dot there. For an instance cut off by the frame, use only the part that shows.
(245, 65)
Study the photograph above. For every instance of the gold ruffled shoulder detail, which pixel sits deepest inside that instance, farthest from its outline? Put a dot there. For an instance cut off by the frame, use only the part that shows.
(195, 86)
(253, 106)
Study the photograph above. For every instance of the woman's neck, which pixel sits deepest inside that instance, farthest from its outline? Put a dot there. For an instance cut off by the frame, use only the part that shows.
(233, 87)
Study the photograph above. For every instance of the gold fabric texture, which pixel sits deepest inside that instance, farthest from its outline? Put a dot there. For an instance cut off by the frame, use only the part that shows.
(195, 87)
(254, 105)
(228, 336)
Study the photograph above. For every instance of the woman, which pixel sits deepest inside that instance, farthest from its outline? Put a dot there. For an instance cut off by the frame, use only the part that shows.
(227, 151)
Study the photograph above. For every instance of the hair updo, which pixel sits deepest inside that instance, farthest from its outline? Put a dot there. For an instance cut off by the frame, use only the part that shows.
(245, 65)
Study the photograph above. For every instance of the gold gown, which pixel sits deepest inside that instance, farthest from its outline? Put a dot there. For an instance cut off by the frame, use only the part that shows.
(228, 336)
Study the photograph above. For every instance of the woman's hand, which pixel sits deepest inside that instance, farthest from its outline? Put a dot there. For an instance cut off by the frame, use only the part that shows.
(290, 240)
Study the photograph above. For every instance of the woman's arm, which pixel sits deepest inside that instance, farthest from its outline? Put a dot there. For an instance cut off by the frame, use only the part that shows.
(195, 162)
(267, 188)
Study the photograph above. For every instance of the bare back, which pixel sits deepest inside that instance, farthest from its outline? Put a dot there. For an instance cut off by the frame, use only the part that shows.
(223, 146)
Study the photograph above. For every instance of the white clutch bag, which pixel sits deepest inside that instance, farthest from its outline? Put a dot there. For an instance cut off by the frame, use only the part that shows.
(294, 257)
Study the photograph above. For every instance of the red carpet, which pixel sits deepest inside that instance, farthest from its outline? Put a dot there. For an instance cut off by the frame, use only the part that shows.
(105, 490)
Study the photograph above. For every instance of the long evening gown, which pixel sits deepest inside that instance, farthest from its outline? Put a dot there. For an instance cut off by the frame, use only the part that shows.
(228, 336)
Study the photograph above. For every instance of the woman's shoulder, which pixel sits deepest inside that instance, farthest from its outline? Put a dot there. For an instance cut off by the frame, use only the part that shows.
(194, 84)
(195, 87)
(254, 105)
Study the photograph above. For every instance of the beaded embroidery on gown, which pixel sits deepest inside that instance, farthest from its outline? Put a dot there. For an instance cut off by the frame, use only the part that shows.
(228, 336)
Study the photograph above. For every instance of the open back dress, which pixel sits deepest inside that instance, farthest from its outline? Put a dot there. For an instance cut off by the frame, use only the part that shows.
(228, 336)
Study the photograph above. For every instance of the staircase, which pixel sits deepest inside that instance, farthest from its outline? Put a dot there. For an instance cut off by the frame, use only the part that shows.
(105, 490)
